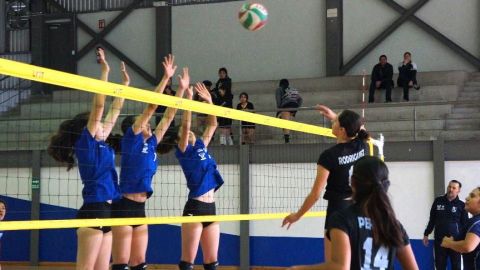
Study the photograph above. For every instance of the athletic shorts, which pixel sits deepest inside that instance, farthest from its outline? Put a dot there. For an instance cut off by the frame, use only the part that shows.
(289, 105)
(96, 211)
(126, 208)
(334, 206)
(198, 208)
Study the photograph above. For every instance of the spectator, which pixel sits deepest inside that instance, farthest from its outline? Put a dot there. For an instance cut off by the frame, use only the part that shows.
(201, 119)
(161, 109)
(448, 217)
(224, 81)
(381, 77)
(407, 76)
(225, 124)
(248, 129)
(470, 245)
(287, 97)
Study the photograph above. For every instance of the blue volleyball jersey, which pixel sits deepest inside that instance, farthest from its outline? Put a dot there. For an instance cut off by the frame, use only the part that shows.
(139, 163)
(96, 163)
(471, 261)
(200, 169)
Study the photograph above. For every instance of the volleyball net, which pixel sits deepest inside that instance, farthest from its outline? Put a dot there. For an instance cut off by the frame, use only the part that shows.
(273, 178)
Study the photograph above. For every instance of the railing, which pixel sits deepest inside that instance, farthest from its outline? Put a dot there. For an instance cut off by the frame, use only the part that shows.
(14, 90)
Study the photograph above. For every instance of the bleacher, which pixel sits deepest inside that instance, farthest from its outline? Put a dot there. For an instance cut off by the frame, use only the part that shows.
(447, 105)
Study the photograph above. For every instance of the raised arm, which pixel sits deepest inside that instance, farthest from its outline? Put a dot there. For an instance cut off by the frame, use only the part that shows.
(211, 119)
(169, 114)
(326, 111)
(116, 106)
(311, 199)
(98, 104)
(168, 72)
(186, 123)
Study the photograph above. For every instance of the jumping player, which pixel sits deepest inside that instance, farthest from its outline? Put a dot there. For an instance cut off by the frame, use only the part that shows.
(83, 138)
(334, 167)
(203, 179)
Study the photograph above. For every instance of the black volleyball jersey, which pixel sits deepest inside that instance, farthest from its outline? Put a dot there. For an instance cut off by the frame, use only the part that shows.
(338, 160)
(365, 254)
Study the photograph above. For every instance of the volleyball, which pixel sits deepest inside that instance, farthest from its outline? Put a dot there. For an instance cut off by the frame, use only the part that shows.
(253, 16)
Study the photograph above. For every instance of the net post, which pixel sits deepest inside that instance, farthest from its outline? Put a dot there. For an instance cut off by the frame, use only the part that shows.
(244, 159)
(35, 210)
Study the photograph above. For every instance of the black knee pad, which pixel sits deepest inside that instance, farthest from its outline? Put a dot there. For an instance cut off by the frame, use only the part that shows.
(210, 266)
(185, 265)
(141, 266)
(120, 267)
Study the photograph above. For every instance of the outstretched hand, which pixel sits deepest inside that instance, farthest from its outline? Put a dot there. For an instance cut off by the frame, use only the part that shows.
(168, 66)
(102, 60)
(125, 76)
(289, 220)
(184, 79)
(327, 112)
(203, 92)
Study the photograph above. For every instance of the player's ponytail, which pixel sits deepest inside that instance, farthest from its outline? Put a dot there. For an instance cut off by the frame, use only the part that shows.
(62, 142)
(370, 183)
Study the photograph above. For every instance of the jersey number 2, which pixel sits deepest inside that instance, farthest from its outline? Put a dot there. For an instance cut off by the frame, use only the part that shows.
(380, 261)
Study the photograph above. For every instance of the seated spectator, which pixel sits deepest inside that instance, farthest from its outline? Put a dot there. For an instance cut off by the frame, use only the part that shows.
(470, 245)
(248, 129)
(201, 119)
(381, 77)
(287, 98)
(225, 124)
(161, 109)
(407, 76)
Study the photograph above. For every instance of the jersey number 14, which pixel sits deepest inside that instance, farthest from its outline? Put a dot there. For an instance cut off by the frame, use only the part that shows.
(380, 261)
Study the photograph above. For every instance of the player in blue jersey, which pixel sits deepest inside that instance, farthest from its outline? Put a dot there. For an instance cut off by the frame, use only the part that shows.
(470, 246)
(138, 165)
(367, 235)
(83, 138)
(203, 179)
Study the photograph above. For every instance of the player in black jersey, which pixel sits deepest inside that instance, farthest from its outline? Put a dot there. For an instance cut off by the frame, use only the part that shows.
(334, 167)
(367, 235)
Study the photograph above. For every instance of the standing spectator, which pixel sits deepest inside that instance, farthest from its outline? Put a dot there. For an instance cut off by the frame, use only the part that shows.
(225, 124)
(407, 76)
(224, 81)
(470, 243)
(161, 109)
(448, 217)
(248, 129)
(287, 97)
(3, 212)
(381, 77)
(201, 119)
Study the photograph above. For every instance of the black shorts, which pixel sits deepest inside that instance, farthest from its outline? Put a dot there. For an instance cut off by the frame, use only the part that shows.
(224, 122)
(334, 206)
(96, 211)
(198, 208)
(126, 208)
(289, 105)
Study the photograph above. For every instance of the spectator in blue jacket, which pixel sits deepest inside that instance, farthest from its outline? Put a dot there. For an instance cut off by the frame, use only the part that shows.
(381, 77)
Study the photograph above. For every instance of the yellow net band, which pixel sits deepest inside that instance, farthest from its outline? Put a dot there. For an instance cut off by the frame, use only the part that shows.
(44, 75)
(77, 223)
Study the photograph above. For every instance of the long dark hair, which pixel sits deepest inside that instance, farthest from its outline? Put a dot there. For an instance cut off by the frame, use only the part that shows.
(168, 141)
(61, 143)
(352, 123)
(370, 184)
